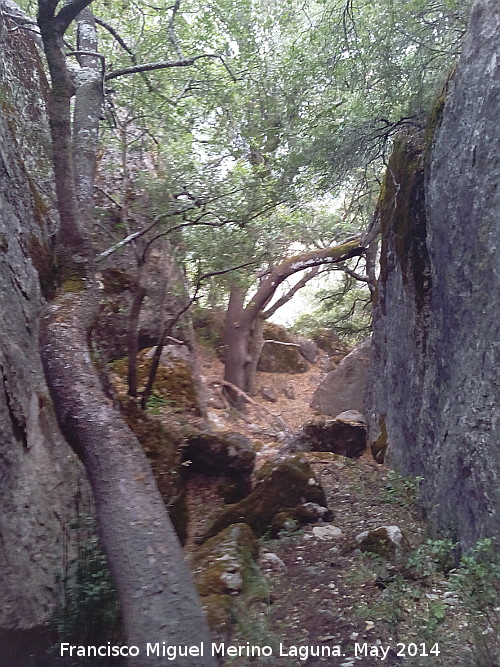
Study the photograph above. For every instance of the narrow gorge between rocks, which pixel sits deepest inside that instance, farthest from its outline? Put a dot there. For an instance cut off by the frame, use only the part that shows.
(249, 333)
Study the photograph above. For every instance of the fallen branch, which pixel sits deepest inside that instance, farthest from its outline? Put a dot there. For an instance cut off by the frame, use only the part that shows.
(279, 342)
(279, 420)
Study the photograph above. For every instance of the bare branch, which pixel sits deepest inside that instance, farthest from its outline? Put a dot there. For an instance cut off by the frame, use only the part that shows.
(291, 293)
(69, 12)
(164, 64)
(171, 31)
(279, 420)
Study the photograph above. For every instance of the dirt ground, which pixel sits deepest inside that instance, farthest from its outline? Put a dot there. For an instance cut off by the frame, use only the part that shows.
(325, 602)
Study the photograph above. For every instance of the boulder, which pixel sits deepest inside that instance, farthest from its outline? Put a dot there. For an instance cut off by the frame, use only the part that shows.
(276, 358)
(328, 341)
(291, 519)
(327, 532)
(220, 563)
(271, 562)
(289, 393)
(224, 569)
(345, 435)
(282, 486)
(269, 394)
(231, 455)
(386, 541)
(308, 349)
(344, 387)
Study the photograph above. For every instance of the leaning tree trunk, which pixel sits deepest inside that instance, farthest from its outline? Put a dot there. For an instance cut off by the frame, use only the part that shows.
(157, 595)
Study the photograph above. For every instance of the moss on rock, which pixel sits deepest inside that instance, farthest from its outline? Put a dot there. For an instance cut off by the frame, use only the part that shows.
(163, 450)
(403, 217)
(173, 387)
(281, 486)
(280, 358)
(379, 445)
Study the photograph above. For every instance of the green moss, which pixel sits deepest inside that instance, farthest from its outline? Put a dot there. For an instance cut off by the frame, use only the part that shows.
(403, 217)
(379, 446)
(74, 285)
(280, 487)
(436, 114)
(162, 448)
(116, 281)
(173, 383)
(42, 258)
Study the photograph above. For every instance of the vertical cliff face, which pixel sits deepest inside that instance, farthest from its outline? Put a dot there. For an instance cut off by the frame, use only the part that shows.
(39, 475)
(435, 389)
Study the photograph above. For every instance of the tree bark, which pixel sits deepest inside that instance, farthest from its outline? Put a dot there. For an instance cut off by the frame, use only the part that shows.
(157, 595)
(237, 337)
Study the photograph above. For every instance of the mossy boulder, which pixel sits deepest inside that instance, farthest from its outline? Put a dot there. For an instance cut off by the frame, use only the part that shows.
(295, 517)
(386, 541)
(282, 486)
(221, 563)
(163, 451)
(277, 358)
(328, 341)
(174, 387)
(231, 455)
(227, 575)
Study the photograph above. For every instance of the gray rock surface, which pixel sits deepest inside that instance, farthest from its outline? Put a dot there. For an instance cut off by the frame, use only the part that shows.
(308, 349)
(435, 386)
(41, 482)
(269, 394)
(344, 387)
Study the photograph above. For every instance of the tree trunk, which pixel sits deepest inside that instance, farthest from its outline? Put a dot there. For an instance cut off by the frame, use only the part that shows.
(255, 350)
(237, 338)
(242, 326)
(157, 595)
(133, 336)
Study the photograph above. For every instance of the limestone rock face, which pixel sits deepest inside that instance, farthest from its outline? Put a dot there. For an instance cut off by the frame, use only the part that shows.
(435, 388)
(344, 387)
(40, 478)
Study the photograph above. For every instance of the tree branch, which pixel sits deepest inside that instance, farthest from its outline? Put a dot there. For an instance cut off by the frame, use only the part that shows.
(291, 293)
(69, 12)
(350, 248)
(165, 64)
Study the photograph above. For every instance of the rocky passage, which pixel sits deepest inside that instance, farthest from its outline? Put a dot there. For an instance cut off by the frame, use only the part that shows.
(316, 597)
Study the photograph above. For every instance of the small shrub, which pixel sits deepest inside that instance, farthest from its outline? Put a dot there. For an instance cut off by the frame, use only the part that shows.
(401, 490)
(90, 614)
(477, 582)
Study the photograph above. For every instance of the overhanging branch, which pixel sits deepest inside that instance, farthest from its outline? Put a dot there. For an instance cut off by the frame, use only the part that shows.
(162, 64)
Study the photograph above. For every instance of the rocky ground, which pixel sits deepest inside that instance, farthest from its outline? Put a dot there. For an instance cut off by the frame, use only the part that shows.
(315, 598)
(318, 595)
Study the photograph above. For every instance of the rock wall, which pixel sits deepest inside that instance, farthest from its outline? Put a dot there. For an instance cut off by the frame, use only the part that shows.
(41, 481)
(435, 388)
